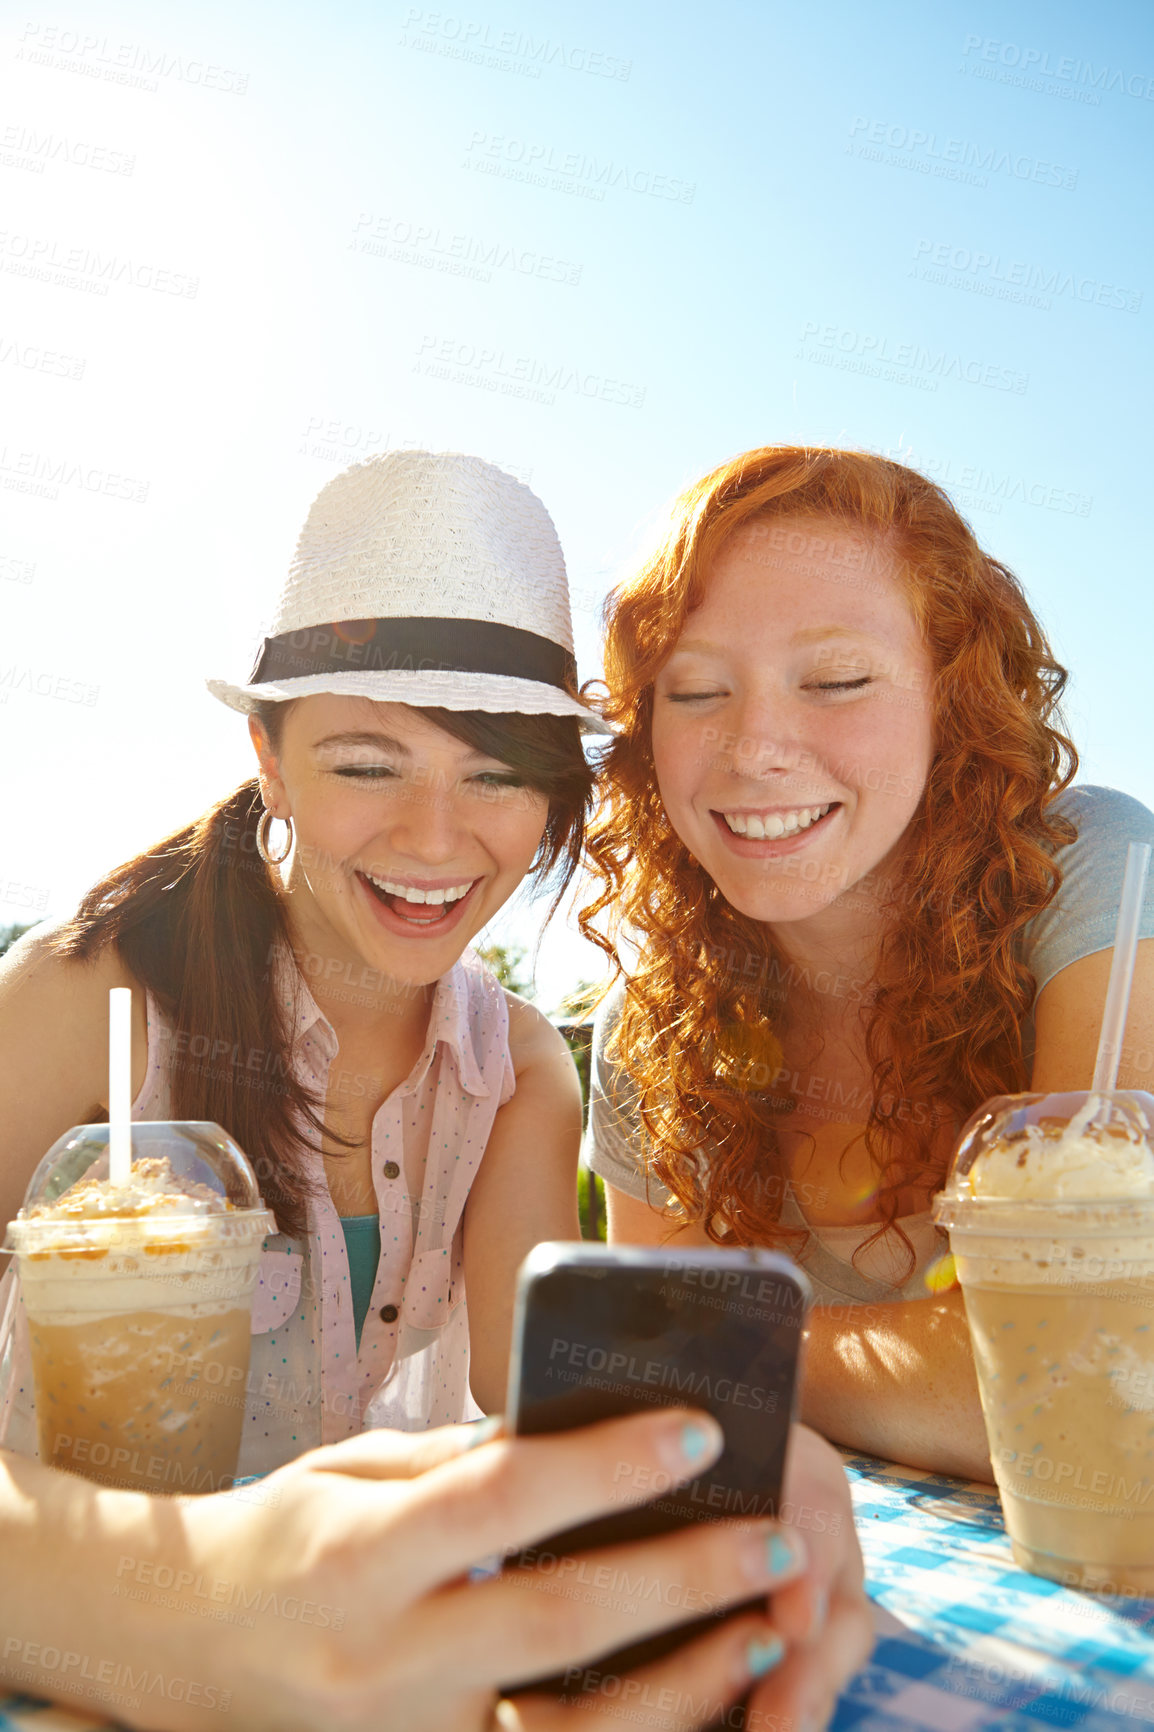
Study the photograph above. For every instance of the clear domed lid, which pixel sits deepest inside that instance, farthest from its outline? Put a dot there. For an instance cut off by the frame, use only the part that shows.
(200, 1159)
(1036, 1152)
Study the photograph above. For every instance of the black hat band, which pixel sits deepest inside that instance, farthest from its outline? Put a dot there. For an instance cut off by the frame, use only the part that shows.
(464, 646)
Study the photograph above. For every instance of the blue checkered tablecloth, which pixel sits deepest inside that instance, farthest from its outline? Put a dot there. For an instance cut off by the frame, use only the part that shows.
(966, 1640)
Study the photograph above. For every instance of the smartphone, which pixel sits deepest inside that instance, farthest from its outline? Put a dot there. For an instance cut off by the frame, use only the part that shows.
(605, 1330)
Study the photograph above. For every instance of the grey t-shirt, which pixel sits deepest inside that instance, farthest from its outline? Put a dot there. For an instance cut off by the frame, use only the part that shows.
(1079, 921)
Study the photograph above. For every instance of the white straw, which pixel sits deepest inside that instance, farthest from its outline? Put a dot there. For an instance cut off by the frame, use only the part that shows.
(120, 1084)
(1121, 969)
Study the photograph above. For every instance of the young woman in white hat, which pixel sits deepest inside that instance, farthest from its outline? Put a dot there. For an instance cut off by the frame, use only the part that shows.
(299, 955)
(418, 735)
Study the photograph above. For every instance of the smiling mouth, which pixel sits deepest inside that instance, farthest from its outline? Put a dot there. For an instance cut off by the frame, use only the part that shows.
(417, 907)
(773, 826)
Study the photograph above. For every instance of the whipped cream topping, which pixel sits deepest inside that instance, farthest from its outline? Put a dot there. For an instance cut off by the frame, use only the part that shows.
(153, 1190)
(1079, 1160)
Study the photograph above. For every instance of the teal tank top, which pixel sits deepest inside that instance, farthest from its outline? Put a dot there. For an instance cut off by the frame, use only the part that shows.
(363, 1243)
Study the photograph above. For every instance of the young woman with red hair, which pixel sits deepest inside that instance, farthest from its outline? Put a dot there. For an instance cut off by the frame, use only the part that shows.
(852, 895)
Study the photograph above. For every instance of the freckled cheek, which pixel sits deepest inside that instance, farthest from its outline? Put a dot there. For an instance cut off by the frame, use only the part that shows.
(671, 736)
(671, 792)
(680, 758)
(890, 741)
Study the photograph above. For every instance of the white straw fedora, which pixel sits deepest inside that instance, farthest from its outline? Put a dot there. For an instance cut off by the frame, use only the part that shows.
(424, 578)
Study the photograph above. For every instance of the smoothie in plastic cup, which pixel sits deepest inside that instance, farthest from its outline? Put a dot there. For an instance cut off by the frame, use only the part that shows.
(1050, 1210)
(138, 1298)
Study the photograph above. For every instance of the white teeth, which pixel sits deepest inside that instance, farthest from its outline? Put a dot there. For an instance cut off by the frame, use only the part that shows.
(407, 893)
(771, 825)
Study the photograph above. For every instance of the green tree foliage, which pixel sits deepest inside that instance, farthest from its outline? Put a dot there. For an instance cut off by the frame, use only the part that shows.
(507, 962)
(590, 1204)
(579, 1004)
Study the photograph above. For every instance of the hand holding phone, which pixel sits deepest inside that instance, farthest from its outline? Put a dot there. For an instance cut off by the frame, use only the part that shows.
(601, 1331)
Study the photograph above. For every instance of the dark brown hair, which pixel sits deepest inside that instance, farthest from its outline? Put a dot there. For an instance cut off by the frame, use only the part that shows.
(197, 920)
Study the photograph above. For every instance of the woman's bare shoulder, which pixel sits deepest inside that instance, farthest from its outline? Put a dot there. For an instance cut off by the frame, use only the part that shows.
(52, 1005)
(36, 965)
(533, 1039)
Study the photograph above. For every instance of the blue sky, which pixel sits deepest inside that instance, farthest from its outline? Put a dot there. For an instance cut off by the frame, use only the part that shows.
(606, 247)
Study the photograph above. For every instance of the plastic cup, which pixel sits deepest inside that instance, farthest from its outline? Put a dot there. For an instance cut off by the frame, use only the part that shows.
(139, 1304)
(1050, 1210)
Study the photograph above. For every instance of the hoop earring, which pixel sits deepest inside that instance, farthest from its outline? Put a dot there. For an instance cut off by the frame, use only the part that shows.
(262, 831)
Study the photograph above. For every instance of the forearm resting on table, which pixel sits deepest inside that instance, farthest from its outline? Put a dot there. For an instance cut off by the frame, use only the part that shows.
(897, 1381)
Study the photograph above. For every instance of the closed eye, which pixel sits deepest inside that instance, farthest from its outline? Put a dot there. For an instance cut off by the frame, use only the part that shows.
(841, 685)
(365, 772)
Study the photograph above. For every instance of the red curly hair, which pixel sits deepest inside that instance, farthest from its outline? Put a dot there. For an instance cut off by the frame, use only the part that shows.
(946, 1025)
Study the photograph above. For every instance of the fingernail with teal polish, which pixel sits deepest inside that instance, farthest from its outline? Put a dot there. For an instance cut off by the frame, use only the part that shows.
(485, 1430)
(763, 1654)
(782, 1556)
(689, 1445)
(695, 1441)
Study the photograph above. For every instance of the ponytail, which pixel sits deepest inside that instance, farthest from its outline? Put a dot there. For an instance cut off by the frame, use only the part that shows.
(198, 922)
